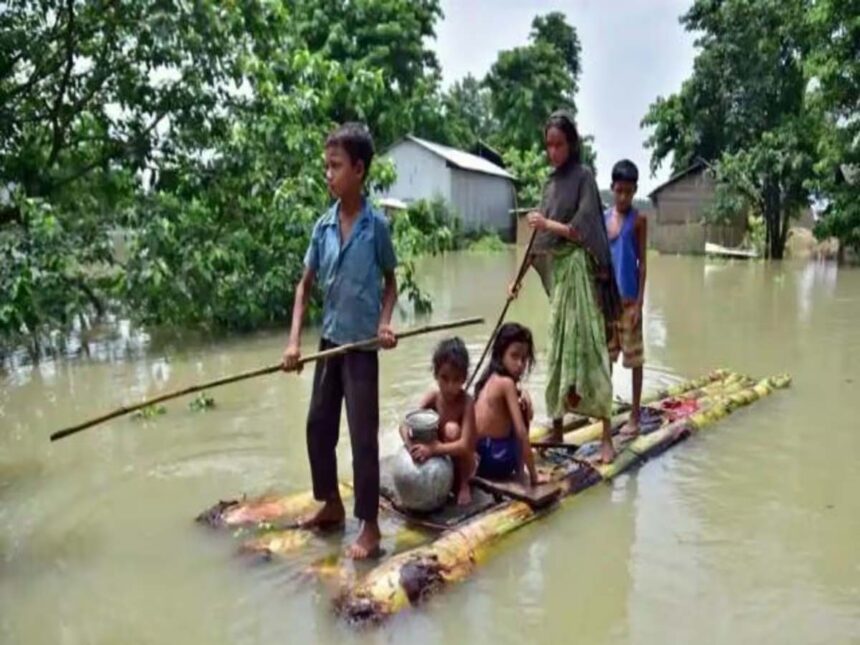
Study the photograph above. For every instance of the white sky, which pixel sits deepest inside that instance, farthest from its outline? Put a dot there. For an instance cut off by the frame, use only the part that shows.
(632, 52)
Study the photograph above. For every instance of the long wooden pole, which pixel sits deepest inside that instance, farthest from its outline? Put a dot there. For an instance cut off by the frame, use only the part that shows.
(524, 265)
(328, 353)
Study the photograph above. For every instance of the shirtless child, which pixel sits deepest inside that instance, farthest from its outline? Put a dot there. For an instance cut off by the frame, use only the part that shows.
(456, 410)
(502, 413)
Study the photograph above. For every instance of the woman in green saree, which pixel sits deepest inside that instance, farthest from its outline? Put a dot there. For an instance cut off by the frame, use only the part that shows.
(571, 255)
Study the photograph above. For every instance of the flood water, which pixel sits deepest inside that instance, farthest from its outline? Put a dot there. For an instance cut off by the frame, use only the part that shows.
(749, 533)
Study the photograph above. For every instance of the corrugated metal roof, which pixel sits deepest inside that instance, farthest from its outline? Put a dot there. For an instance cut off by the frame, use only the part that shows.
(462, 160)
(698, 165)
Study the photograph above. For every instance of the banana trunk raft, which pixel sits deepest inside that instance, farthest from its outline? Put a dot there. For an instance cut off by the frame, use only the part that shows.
(421, 561)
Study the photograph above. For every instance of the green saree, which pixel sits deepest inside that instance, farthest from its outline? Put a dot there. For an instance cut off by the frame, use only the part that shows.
(577, 357)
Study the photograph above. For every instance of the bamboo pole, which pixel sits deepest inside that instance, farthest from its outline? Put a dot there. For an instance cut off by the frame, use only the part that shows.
(585, 431)
(521, 273)
(712, 409)
(411, 577)
(328, 353)
(267, 510)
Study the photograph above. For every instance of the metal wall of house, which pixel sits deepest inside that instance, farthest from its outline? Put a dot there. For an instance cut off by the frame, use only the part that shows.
(420, 173)
(484, 202)
(679, 226)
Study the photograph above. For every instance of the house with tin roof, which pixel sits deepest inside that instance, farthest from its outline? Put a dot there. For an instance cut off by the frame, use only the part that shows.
(681, 203)
(479, 191)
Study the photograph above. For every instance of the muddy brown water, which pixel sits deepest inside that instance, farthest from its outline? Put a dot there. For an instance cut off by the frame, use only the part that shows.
(747, 533)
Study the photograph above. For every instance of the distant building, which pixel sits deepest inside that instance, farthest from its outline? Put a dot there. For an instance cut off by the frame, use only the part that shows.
(681, 203)
(479, 191)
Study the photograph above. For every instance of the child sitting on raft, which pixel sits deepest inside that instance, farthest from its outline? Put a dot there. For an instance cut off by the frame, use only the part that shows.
(502, 412)
(456, 410)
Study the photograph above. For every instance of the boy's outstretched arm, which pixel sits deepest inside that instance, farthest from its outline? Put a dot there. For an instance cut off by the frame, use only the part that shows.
(292, 354)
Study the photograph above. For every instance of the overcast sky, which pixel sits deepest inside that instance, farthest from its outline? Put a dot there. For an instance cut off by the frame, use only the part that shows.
(632, 52)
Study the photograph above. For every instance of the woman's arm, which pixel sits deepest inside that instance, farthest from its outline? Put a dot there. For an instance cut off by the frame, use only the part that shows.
(540, 222)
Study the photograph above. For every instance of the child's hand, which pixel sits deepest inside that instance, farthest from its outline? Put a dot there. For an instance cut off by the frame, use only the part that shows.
(514, 290)
(421, 452)
(537, 221)
(527, 406)
(387, 339)
(291, 359)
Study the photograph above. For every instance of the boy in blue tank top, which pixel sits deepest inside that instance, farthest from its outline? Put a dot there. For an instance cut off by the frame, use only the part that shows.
(628, 239)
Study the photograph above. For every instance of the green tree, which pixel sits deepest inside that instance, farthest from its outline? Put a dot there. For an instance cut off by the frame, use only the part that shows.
(528, 83)
(468, 115)
(744, 108)
(94, 95)
(194, 130)
(530, 168)
(834, 70)
(553, 30)
(388, 36)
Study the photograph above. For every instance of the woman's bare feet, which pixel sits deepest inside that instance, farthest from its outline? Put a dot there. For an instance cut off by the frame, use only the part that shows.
(366, 545)
(607, 452)
(556, 431)
(464, 495)
(330, 516)
(630, 429)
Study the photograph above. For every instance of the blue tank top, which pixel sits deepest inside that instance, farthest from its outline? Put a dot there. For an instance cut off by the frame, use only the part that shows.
(625, 256)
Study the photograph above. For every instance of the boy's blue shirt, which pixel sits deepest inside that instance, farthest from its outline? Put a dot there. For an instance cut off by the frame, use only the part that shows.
(625, 255)
(351, 276)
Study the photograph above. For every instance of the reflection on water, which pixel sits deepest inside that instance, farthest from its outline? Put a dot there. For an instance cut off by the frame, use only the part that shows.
(747, 533)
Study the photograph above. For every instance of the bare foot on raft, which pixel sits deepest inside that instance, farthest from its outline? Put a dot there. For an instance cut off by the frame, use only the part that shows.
(556, 431)
(630, 429)
(366, 545)
(464, 496)
(331, 516)
(572, 399)
(607, 452)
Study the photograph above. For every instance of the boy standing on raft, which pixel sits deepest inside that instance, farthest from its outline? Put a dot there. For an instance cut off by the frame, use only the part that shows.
(628, 241)
(352, 253)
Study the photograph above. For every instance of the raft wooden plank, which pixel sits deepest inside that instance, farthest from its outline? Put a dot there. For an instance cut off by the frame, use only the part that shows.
(544, 445)
(448, 517)
(536, 496)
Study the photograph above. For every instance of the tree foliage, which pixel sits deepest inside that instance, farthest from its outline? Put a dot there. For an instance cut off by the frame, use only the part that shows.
(528, 83)
(745, 108)
(162, 160)
(468, 114)
(774, 104)
(834, 65)
(194, 131)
